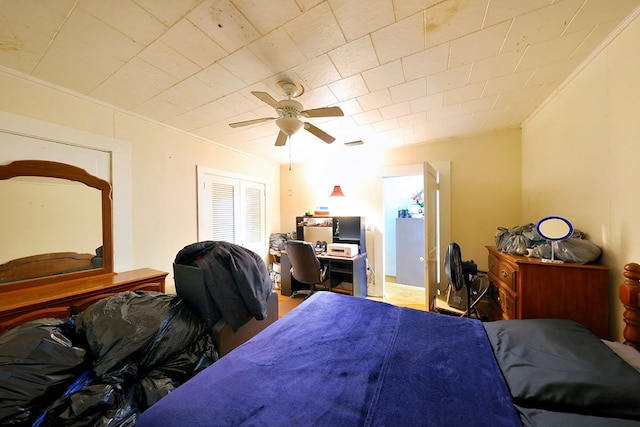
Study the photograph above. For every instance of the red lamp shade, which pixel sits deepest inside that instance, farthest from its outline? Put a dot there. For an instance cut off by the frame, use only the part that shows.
(337, 192)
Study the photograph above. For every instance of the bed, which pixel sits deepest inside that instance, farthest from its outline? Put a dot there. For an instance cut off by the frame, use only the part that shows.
(340, 360)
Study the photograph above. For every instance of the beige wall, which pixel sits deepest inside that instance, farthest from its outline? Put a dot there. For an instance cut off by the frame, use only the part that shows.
(163, 166)
(485, 188)
(579, 157)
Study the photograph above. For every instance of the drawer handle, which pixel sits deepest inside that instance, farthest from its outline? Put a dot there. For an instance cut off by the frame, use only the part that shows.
(504, 273)
(491, 263)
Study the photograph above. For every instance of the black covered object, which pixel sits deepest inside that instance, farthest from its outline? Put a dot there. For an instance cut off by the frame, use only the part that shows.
(236, 279)
(142, 326)
(142, 346)
(37, 362)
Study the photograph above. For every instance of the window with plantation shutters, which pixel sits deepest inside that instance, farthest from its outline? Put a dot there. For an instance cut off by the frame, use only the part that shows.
(232, 209)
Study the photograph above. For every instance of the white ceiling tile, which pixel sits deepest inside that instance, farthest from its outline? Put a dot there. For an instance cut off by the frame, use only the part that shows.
(481, 104)
(395, 110)
(593, 13)
(408, 91)
(159, 109)
(350, 107)
(357, 19)
(401, 39)
(550, 51)
(168, 59)
(220, 81)
(367, 117)
(317, 72)
(479, 45)
(354, 57)
(516, 97)
(506, 10)
(427, 62)
(188, 94)
(595, 38)
(266, 16)
(221, 21)
(412, 119)
(554, 73)
(444, 112)
(497, 66)
(136, 82)
(26, 28)
(427, 103)
(127, 17)
(246, 66)
(76, 65)
(507, 84)
(384, 76)
(405, 8)
(463, 94)
(305, 5)
(168, 12)
(374, 100)
(100, 36)
(451, 19)
(191, 42)
(448, 80)
(278, 51)
(325, 37)
(540, 25)
(385, 125)
(317, 98)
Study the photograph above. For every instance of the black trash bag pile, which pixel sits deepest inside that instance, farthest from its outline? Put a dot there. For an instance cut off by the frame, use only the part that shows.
(136, 348)
(37, 361)
(525, 240)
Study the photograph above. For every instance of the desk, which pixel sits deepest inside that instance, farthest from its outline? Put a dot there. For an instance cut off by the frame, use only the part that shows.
(347, 275)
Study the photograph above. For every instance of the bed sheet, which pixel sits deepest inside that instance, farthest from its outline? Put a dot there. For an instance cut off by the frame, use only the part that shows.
(341, 360)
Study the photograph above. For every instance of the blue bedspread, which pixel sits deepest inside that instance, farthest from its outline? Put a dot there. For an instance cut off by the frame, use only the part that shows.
(343, 361)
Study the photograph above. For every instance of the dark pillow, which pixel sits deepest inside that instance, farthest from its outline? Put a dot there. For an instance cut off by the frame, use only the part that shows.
(560, 365)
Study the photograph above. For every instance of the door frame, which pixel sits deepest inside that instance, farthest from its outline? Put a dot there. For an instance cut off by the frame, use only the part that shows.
(444, 171)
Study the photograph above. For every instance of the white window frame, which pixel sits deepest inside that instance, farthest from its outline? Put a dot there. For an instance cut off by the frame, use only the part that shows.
(241, 187)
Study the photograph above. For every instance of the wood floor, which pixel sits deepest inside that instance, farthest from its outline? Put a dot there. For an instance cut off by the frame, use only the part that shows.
(395, 293)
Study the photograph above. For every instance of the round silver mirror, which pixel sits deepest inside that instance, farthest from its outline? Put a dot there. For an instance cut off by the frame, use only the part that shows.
(554, 229)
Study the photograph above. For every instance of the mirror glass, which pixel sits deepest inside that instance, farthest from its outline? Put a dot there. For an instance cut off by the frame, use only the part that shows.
(55, 224)
(42, 215)
(554, 228)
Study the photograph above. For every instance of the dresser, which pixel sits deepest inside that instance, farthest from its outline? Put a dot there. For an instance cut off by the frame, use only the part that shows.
(63, 299)
(528, 288)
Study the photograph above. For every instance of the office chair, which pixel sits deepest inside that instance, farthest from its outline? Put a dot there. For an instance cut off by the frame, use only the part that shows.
(305, 266)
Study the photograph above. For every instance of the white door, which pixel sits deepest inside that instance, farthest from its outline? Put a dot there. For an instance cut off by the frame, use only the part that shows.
(431, 232)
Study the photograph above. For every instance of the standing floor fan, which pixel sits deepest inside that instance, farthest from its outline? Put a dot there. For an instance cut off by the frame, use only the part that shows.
(462, 274)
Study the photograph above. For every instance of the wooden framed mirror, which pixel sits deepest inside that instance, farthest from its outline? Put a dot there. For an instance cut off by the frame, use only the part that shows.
(56, 224)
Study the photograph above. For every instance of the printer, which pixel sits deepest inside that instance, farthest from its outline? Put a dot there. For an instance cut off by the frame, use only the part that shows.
(347, 250)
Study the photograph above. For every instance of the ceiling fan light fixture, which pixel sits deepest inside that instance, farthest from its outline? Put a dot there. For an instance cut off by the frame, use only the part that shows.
(289, 125)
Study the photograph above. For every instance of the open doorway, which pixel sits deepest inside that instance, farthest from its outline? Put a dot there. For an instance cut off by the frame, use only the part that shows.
(404, 239)
(396, 183)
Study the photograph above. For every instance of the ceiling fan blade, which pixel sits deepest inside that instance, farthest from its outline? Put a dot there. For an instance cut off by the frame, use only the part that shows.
(281, 140)
(319, 133)
(323, 112)
(266, 98)
(251, 122)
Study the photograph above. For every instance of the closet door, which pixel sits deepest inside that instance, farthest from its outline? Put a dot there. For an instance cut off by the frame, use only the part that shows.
(231, 209)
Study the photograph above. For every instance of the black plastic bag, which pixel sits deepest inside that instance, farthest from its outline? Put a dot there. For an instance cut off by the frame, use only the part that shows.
(111, 403)
(143, 326)
(38, 362)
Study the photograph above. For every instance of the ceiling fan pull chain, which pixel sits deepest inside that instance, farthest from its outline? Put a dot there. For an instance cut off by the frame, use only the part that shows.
(289, 144)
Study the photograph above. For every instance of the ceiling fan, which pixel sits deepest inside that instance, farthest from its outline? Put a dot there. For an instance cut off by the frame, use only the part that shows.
(289, 113)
